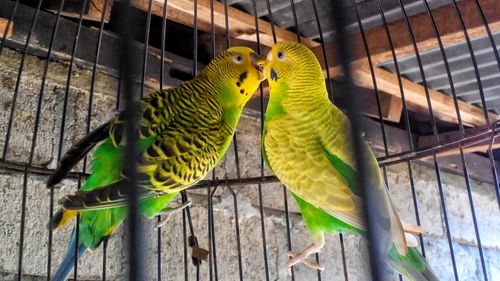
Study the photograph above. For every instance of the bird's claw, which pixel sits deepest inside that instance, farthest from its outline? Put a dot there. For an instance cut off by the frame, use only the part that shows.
(168, 211)
(299, 257)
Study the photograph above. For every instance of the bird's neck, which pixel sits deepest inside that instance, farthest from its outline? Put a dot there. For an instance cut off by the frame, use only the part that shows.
(289, 94)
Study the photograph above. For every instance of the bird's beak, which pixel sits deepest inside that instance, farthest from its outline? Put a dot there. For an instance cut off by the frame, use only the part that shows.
(259, 64)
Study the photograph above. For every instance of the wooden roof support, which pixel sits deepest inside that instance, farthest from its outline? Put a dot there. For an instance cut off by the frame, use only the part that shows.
(3, 28)
(241, 24)
(442, 105)
(72, 9)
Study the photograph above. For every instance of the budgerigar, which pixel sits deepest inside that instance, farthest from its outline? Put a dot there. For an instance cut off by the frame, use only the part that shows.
(306, 143)
(183, 134)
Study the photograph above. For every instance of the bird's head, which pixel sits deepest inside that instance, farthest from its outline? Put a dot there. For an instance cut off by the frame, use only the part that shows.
(241, 75)
(291, 62)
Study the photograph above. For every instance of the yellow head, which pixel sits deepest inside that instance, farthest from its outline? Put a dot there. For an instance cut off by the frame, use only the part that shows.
(237, 70)
(292, 64)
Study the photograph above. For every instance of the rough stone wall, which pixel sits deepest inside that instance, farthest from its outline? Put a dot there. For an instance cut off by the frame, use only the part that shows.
(249, 218)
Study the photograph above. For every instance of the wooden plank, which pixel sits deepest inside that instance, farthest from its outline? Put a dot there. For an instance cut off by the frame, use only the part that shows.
(3, 28)
(73, 8)
(443, 106)
(448, 25)
(241, 24)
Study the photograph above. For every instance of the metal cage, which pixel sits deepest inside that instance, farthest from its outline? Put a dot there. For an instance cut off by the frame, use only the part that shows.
(424, 74)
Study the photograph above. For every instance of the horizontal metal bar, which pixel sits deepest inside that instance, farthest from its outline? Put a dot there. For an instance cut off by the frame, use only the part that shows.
(479, 137)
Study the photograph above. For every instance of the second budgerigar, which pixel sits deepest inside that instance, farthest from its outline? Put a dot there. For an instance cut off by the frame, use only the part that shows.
(306, 143)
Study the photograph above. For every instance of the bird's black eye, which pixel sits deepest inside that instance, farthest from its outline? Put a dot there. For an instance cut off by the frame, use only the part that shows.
(280, 55)
(238, 59)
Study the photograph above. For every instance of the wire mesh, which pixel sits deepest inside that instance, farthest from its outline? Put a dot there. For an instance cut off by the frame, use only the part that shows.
(66, 42)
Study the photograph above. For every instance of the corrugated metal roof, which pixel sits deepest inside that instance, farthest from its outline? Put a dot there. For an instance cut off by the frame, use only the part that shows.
(282, 15)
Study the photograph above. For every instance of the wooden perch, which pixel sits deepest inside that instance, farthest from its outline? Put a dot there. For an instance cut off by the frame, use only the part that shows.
(72, 8)
(3, 28)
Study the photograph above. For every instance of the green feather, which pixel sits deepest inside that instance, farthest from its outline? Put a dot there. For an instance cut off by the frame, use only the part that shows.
(318, 220)
(346, 171)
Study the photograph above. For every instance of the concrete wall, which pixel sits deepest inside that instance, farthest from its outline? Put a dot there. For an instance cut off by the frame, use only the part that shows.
(249, 218)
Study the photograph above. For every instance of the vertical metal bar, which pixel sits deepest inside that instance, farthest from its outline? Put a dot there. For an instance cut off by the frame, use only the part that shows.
(162, 77)
(445, 215)
(325, 58)
(212, 229)
(474, 62)
(237, 229)
(294, 13)
(127, 72)
(386, 181)
(270, 14)
(163, 44)
(369, 210)
(400, 82)
(288, 231)
(146, 47)
(18, 81)
(77, 237)
(473, 212)
(195, 38)
(104, 255)
(415, 206)
(184, 236)
(21, 230)
(497, 56)
(372, 72)
(431, 112)
(9, 127)
(342, 252)
(89, 113)
(209, 228)
(259, 186)
(35, 133)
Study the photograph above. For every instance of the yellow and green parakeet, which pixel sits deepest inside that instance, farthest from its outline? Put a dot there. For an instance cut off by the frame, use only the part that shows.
(183, 134)
(306, 143)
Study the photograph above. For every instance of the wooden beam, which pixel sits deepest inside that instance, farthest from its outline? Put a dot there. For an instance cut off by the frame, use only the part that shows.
(241, 24)
(442, 105)
(3, 28)
(72, 9)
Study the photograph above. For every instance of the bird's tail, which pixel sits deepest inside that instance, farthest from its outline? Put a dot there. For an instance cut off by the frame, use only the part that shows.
(413, 265)
(68, 262)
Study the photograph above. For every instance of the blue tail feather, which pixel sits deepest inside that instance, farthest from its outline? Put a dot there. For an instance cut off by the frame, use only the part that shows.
(68, 262)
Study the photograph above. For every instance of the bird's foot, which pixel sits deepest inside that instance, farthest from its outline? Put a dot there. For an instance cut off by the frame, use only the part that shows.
(168, 211)
(308, 262)
(303, 257)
